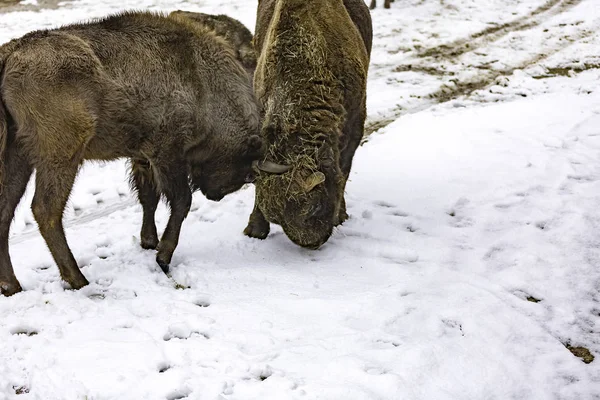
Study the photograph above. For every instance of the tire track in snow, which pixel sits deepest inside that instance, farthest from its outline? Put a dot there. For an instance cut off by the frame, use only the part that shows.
(495, 33)
(487, 76)
(78, 220)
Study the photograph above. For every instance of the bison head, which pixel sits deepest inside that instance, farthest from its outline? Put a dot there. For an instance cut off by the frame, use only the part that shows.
(224, 172)
(305, 200)
(222, 157)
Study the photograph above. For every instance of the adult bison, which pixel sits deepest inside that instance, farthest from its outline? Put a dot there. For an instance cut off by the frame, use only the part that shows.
(386, 4)
(311, 82)
(165, 92)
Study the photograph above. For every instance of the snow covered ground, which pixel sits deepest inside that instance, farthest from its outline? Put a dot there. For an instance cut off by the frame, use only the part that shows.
(470, 262)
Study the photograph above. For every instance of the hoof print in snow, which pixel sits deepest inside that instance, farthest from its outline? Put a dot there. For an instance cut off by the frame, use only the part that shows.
(533, 299)
(455, 325)
(183, 334)
(367, 214)
(21, 389)
(23, 331)
(202, 303)
(96, 296)
(384, 204)
(178, 394)
(541, 225)
(103, 253)
(262, 372)
(162, 368)
(398, 213)
(581, 352)
(411, 228)
(388, 342)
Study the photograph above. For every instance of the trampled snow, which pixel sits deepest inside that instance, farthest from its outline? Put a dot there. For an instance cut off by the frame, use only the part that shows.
(470, 261)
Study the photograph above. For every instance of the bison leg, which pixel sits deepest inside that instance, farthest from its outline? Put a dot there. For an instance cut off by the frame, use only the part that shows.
(52, 189)
(179, 196)
(17, 172)
(386, 4)
(373, 4)
(258, 227)
(143, 183)
(353, 134)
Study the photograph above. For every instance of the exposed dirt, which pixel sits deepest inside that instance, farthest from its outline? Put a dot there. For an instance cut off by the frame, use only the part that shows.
(567, 71)
(493, 33)
(582, 353)
(15, 5)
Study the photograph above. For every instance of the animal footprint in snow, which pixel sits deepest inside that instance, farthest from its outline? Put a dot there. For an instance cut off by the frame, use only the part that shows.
(179, 394)
(261, 372)
(391, 209)
(23, 330)
(397, 255)
(103, 252)
(202, 302)
(384, 204)
(457, 212)
(163, 367)
(452, 326)
(182, 331)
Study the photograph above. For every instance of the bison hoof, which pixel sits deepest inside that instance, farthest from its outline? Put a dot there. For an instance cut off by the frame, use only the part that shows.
(342, 217)
(78, 282)
(8, 289)
(149, 243)
(163, 265)
(257, 231)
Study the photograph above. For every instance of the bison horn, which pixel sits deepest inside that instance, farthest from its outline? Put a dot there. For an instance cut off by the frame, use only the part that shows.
(269, 166)
(316, 178)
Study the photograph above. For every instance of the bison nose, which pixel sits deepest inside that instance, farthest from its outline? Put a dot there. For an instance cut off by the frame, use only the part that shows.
(214, 196)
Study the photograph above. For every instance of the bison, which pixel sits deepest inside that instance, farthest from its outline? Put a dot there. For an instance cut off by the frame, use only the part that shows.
(165, 92)
(386, 4)
(310, 80)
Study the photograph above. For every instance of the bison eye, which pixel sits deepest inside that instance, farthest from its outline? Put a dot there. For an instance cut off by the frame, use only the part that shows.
(251, 177)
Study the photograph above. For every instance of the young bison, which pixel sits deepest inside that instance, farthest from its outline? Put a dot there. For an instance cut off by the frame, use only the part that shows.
(311, 82)
(167, 93)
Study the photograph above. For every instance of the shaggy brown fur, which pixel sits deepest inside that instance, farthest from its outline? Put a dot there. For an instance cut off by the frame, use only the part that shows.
(232, 30)
(311, 82)
(386, 4)
(164, 92)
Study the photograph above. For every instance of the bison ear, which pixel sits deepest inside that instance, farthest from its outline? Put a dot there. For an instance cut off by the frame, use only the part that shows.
(315, 179)
(254, 145)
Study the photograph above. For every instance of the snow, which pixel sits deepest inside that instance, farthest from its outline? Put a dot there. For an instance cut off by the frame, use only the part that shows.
(464, 213)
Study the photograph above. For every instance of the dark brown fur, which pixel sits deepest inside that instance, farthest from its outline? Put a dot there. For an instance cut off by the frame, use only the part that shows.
(232, 30)
(311, 82)
(162, 91)
(386, 4)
